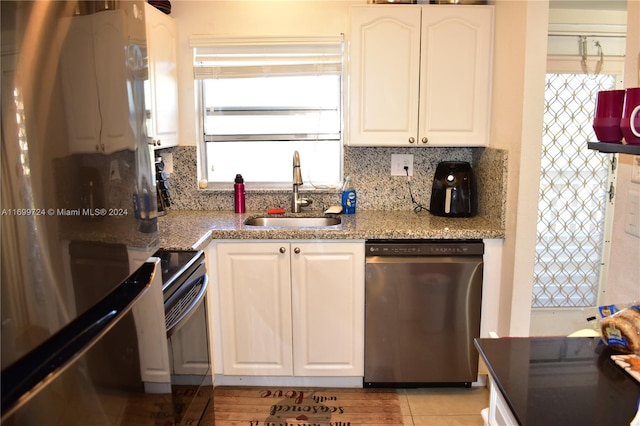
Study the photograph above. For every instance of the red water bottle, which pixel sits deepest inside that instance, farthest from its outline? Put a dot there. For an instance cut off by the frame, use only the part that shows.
(238, 195)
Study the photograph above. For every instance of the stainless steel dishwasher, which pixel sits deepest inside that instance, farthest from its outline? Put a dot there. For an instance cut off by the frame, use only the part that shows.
(422, 312)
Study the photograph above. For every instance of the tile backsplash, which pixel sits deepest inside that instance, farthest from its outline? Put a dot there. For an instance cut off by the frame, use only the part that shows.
(370, 171)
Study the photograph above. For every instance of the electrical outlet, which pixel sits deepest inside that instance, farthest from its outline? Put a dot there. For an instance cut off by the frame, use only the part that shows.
(398, 163)
(635, 171)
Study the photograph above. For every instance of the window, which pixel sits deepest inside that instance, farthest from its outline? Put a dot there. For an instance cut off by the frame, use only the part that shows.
(261, 100)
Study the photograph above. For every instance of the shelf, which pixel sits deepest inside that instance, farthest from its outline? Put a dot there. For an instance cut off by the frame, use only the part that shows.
(613, 148)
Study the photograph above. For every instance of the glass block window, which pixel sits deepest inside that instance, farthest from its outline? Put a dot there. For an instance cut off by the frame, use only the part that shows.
(573, 195)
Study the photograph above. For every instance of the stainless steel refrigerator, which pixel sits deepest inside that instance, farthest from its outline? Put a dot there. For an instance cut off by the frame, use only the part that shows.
(78, 211)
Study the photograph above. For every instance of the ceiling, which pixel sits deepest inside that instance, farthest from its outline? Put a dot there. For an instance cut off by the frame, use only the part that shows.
(589, 4)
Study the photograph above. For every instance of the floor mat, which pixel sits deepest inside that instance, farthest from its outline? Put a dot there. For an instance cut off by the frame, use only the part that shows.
(298, 406)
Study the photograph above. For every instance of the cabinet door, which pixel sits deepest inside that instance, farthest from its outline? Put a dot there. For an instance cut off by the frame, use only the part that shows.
(95, 93)
(499, 411)
(384, 70)
(189, 352)
(111, 74)
(328, 308)
(80, 87)
(455, 75)
(162, 102)
(255, 308)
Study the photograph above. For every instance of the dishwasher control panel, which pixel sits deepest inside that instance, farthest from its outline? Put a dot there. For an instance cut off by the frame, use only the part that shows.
(424, 248)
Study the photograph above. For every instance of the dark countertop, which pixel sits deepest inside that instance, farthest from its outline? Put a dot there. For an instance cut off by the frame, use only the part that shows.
(561, 381)
(193, 229)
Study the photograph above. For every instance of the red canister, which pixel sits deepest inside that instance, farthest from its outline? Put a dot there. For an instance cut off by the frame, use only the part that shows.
(238, 194)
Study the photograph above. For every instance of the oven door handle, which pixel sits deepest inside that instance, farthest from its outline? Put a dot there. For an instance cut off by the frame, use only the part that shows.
(189, 310)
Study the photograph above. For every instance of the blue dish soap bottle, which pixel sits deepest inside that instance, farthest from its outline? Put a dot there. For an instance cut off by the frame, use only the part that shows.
(349, 197)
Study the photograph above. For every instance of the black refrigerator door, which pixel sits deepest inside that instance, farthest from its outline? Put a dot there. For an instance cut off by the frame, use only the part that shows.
(25, 378)
(75, 162)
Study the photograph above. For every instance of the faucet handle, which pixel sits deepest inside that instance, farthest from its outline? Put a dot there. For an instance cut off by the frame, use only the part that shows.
(297, 173)
(297, 176)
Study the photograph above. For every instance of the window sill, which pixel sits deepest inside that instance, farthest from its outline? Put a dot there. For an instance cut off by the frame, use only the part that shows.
(250, 189)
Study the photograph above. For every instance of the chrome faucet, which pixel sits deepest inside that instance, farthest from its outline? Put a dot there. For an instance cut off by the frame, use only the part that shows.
(296, 201)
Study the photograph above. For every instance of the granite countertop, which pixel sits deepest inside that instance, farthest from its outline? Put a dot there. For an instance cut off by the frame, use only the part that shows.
(194, 229)
(560, 380)
(115, 229)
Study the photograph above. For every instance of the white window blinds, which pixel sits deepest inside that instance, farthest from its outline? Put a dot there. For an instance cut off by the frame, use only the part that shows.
(234, 57)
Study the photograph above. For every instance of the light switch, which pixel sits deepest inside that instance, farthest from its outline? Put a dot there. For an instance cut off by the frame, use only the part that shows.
(632, 214)
(635, 171)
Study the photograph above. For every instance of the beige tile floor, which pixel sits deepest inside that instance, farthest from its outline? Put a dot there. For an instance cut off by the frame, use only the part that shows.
(443, 406)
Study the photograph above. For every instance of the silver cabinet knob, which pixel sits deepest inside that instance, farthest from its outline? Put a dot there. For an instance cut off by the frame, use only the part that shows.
(283, 250)
(425, 140)
(296, 250)
(412, 140)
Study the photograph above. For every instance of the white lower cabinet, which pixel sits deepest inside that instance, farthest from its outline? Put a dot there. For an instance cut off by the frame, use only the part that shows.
(499, 412)
(291, 308)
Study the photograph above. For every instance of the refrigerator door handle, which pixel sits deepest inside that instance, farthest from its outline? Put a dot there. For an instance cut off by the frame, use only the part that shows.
(24, 378)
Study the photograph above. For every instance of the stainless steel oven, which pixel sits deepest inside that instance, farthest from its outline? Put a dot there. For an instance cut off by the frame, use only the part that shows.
(184, 289)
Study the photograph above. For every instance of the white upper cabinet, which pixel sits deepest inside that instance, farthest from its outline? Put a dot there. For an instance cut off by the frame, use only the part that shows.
(420, 75)
(455, 75)
(110, 39)
(384, 75)
(161, 94)
(95, 92)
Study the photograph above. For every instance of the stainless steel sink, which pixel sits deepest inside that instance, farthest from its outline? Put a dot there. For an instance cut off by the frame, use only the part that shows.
(293, 222)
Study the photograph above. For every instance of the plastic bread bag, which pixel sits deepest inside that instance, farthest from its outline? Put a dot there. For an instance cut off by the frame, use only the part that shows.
(620, 327)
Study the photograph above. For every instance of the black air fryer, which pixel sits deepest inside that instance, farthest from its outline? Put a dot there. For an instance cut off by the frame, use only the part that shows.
(454, 191)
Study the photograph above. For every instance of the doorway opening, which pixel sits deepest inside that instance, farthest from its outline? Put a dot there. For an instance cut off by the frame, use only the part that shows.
(575, 204)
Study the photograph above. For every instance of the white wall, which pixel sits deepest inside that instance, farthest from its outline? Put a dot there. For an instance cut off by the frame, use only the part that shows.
(563, 321)
(623, 281)
(244, 18)
(517, 110)
(518, 100)
(517, 126)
